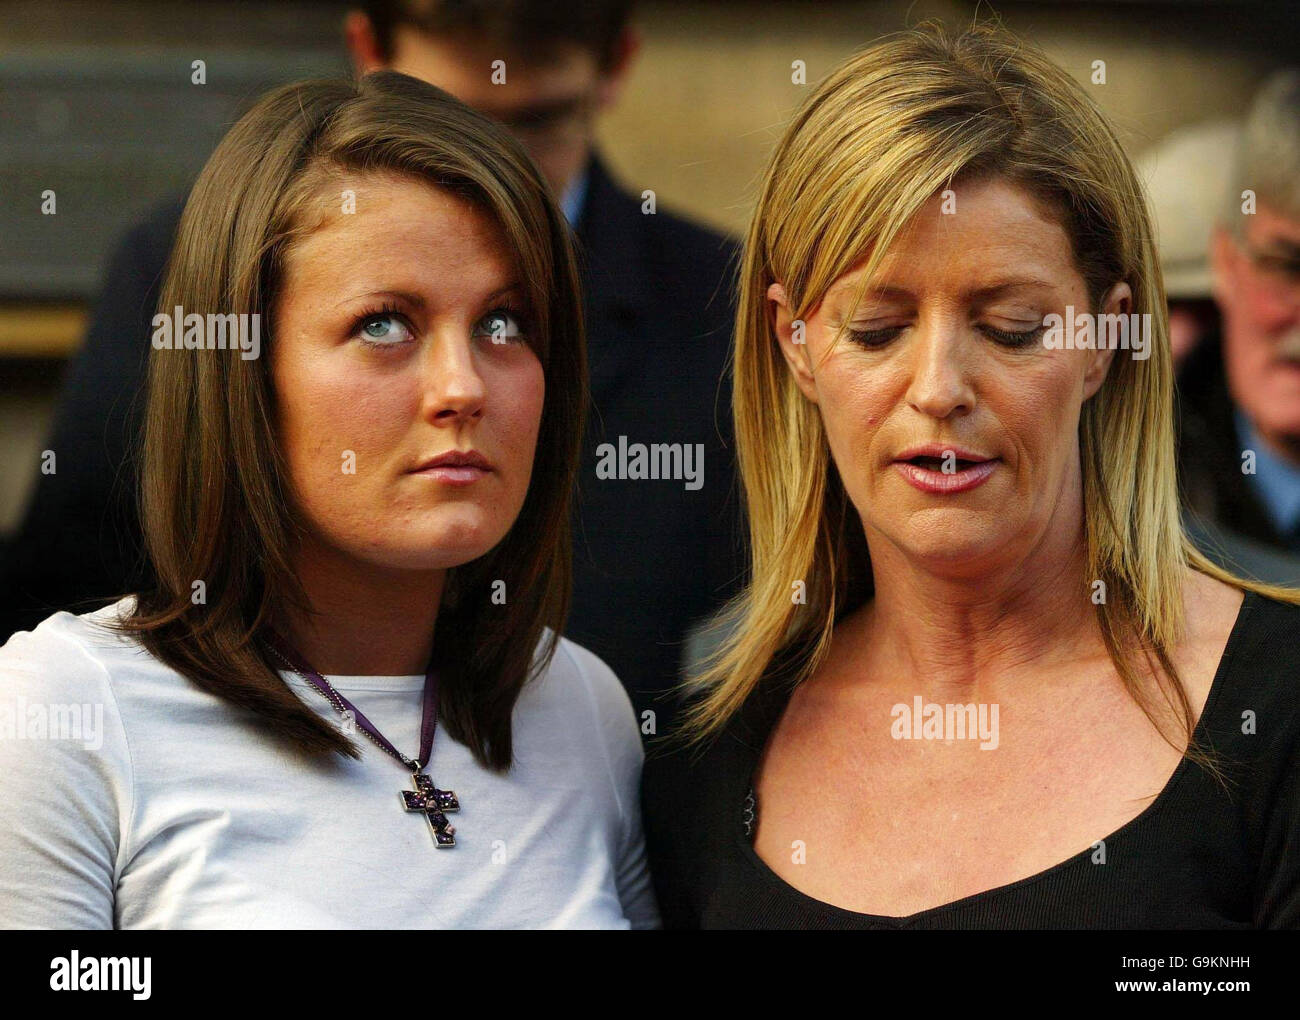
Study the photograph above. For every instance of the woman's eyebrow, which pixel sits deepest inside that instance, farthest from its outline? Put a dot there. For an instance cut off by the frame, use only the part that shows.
(1002, 286)
(853, 289)
(417, 300)
(980, 293)
(511, 286)
(404, 296)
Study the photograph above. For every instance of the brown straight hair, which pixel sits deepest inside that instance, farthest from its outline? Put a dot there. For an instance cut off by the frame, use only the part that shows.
(214, 488)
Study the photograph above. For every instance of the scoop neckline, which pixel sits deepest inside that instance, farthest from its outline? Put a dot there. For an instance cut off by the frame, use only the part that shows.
(1175, 780)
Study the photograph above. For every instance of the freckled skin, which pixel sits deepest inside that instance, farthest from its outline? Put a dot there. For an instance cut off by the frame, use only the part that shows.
(444, 386)
(943, 379)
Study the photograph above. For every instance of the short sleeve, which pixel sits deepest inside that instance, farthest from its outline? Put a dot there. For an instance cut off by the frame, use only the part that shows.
(635, 890)
(64, 784)
(618, 727)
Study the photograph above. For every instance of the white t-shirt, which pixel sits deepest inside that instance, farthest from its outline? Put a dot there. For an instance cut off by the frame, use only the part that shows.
(131, 799)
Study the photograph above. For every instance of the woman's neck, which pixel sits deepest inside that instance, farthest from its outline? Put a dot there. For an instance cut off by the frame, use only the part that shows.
(971, 630)
(366, 620)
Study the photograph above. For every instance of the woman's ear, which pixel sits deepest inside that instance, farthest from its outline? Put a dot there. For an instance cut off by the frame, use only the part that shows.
(790, 336)
(1118, 301)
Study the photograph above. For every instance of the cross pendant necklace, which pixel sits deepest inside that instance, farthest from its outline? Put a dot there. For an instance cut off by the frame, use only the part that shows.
(434, 803)
(426, 798)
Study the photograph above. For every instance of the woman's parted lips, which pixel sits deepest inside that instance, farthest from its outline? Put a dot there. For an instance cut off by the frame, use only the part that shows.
(940, 452)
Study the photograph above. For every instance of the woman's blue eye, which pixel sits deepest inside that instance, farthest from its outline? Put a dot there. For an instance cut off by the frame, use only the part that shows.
(384, 329)
(501, 326)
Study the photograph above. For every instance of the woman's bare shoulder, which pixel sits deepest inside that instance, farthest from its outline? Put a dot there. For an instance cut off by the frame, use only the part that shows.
(1211, 605)
(1211, 610)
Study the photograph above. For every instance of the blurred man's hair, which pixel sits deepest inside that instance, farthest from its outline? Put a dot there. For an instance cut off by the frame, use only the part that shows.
(1268, 161)
(534, 27)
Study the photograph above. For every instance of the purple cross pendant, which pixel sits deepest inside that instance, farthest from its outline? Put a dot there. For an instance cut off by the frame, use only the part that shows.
(432, 803)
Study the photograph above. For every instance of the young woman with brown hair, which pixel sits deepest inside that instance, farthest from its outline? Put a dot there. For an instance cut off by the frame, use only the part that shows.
(359, 529)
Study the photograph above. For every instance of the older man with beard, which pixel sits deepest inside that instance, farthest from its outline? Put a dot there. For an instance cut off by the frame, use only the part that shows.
(1240, 393)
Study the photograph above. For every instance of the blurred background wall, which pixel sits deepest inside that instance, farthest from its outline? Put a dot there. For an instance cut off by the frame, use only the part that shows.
(97, 104)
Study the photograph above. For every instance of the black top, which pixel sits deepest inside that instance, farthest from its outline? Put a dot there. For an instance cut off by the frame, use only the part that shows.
(650, 556)
(1197, 857)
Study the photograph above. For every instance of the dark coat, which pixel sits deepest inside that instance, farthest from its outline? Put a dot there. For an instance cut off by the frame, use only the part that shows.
(1209, 450)
(1225, 517)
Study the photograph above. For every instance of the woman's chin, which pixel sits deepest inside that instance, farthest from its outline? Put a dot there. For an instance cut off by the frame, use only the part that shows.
(957, 545)
(436, 547)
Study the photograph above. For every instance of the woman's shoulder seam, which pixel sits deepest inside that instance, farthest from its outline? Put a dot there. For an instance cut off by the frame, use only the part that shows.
(79, 644)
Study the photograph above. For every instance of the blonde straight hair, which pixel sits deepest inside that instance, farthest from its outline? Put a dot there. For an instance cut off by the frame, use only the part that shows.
(885, 132)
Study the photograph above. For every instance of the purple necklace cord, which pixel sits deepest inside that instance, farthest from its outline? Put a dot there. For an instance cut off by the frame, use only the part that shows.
(428, 716)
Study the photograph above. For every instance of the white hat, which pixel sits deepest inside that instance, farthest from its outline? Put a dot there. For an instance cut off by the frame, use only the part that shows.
(1187, 175)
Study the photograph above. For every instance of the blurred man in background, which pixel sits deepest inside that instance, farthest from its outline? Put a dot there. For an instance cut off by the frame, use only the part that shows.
(1240, 393)
(650, 556)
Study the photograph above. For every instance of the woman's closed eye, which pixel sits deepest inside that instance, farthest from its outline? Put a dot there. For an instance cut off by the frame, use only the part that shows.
(1030, 334)
(881, 336)
(874, 336)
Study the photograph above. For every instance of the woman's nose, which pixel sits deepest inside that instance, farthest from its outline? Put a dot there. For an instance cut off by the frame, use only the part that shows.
(940, 385)
(453, 385)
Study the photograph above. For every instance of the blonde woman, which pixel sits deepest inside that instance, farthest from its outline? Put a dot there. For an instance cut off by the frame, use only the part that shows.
(980, 678)
(343, 702)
